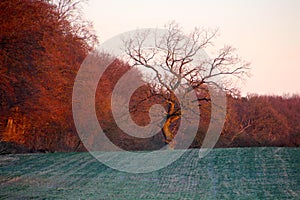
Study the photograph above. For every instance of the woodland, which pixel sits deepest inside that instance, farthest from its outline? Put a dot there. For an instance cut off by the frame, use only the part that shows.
(42, 45)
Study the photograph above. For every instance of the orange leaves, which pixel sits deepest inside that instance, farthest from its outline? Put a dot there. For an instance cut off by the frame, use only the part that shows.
(40, 55)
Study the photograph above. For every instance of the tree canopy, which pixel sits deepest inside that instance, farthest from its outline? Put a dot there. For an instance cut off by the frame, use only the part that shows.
(41, 49)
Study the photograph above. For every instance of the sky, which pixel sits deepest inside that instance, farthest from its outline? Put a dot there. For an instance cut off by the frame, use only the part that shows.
(264, 32)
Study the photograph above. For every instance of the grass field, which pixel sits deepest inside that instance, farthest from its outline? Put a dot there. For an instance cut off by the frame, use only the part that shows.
(240, 173)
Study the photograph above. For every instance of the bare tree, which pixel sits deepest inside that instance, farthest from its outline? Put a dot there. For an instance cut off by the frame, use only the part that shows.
(71, 11)
(176, 65)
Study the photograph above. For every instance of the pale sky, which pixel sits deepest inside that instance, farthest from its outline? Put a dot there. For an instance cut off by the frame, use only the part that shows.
(265, 32)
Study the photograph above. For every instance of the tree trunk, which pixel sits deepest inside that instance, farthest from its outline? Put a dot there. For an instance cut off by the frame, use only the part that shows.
(167, 130)
(171, 118)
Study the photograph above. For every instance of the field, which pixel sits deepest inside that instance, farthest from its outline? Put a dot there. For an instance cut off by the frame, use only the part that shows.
(236, 173)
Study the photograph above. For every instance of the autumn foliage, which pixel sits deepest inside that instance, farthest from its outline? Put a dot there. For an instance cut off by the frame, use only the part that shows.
(262, 121)
(41, 50)
(40, 53)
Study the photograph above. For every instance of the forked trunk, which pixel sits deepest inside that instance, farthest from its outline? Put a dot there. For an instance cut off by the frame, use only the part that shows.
(172, 116)
(169, 135)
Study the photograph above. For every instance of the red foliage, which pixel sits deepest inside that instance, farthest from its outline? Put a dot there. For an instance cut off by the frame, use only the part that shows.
(40, 53)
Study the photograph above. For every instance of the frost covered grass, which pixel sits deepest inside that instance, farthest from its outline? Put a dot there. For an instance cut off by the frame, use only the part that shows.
(238, 173)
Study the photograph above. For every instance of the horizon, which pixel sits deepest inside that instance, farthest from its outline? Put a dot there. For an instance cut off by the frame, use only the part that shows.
(271, 24)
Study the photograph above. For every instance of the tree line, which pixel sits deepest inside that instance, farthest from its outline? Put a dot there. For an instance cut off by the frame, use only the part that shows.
(42, 45)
